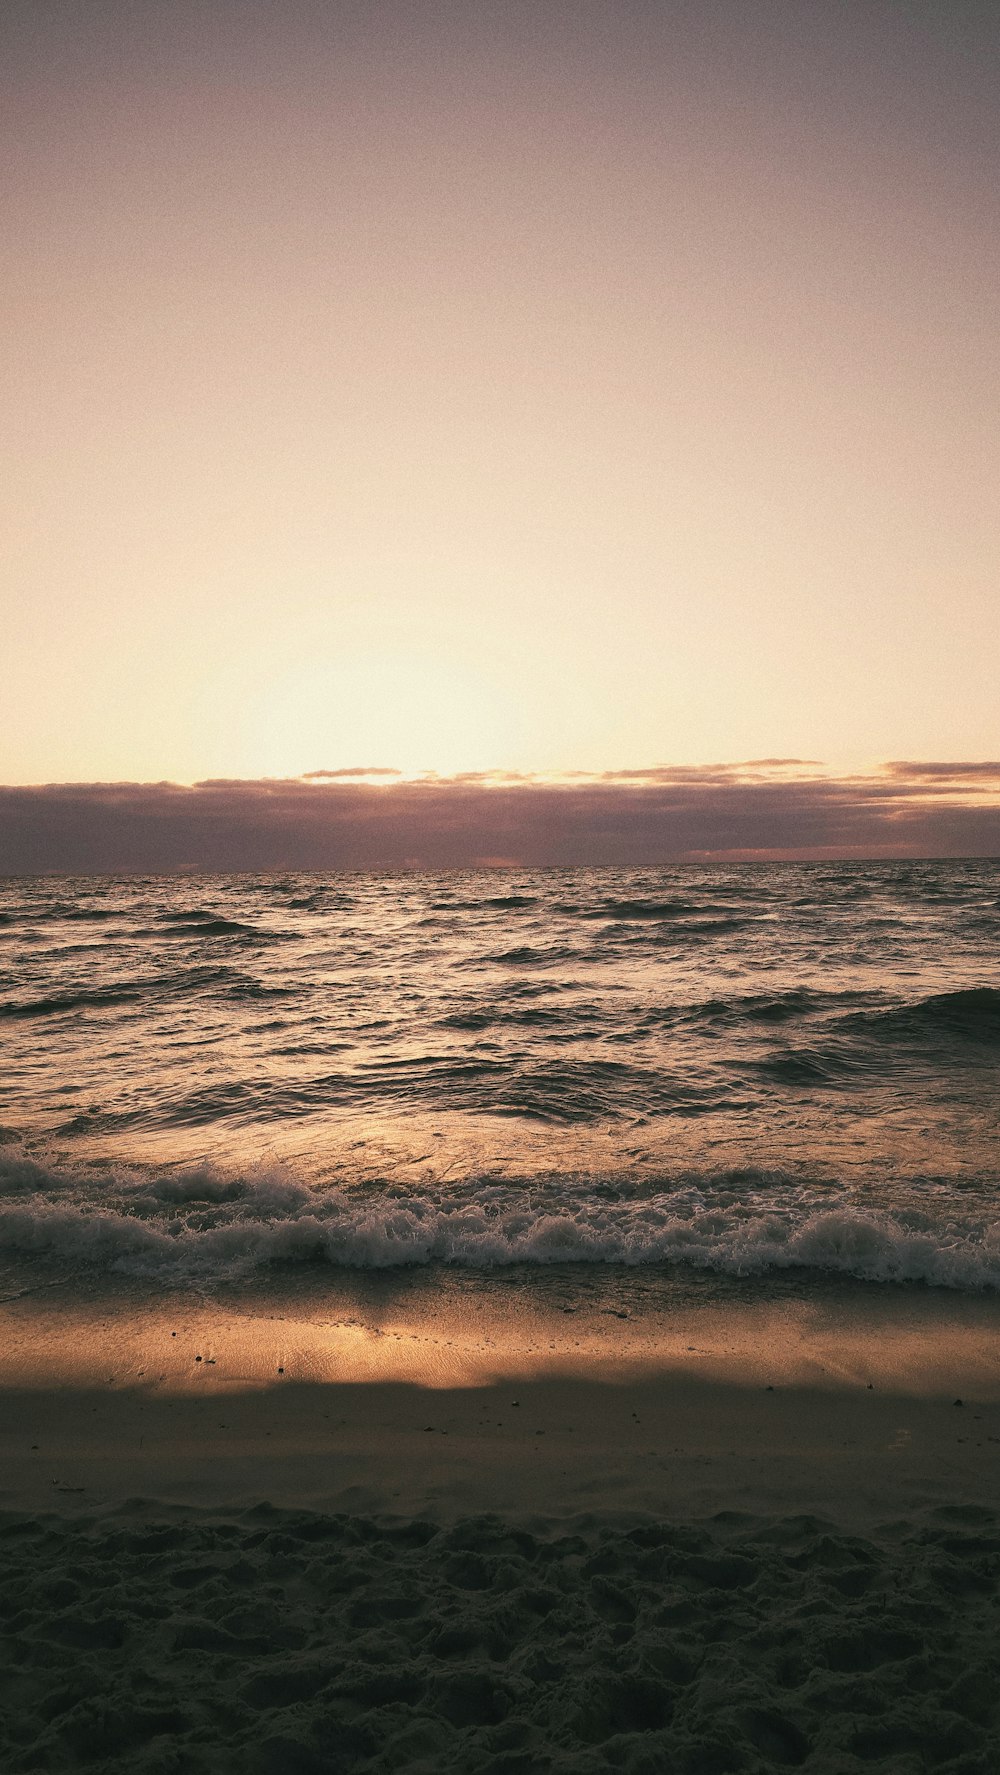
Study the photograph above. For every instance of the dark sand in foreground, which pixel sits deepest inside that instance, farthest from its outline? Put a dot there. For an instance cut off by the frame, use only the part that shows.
(486, 1536)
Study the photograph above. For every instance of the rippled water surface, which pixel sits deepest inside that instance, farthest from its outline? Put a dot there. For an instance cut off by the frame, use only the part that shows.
(736, 1067)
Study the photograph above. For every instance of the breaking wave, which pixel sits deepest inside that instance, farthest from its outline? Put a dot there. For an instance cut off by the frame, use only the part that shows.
(204, 1223)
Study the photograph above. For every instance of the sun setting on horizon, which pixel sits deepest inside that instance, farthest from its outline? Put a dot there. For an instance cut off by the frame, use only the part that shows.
(540, 390)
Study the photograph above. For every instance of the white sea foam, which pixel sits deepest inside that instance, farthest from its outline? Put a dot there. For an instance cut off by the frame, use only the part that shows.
(203, 1223)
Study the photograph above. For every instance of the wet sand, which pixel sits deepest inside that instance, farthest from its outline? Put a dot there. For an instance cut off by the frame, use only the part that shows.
(527, 1448)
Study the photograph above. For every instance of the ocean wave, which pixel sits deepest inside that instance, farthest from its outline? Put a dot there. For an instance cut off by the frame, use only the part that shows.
(498, 1017)
(187, 915)
(711, 926)
(84, 999)
(493, 902)
(764, 1007)
(624, 910)
(558, 1092)
(973, 1014)
(526, 956)
(143, 990)
(870, 1044)
(92, 914)
(808, 1065)
(203, 1223)
(218, 927)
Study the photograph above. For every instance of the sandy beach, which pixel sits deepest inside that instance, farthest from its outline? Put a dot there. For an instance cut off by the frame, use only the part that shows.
(414, 1532)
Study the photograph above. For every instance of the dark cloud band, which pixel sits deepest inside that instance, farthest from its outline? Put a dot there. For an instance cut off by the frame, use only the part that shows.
(722, 813)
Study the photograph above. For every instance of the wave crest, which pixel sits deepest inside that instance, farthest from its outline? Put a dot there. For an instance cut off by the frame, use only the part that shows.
(201, 1222)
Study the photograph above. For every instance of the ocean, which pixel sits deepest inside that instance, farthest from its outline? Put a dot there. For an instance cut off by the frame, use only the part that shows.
(708, 1072)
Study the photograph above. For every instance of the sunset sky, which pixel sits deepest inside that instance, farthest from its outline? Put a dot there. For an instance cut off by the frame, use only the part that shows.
(526, 387)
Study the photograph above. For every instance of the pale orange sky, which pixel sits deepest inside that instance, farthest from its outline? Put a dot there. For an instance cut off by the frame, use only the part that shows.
(551, 389)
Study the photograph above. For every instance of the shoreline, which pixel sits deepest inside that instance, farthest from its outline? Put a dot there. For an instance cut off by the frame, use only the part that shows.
(389, 1395)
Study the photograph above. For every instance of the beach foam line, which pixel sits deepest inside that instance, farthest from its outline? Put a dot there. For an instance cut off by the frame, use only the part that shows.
(206, 1221)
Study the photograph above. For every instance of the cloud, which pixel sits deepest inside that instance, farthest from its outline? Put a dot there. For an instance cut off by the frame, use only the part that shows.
(903, 769)
(666, 815)
(776, 763)
(356, 770)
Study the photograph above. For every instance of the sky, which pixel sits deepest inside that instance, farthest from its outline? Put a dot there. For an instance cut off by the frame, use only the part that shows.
(559, 389)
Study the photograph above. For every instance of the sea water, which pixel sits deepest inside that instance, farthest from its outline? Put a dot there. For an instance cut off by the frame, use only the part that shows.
(733, 1071)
